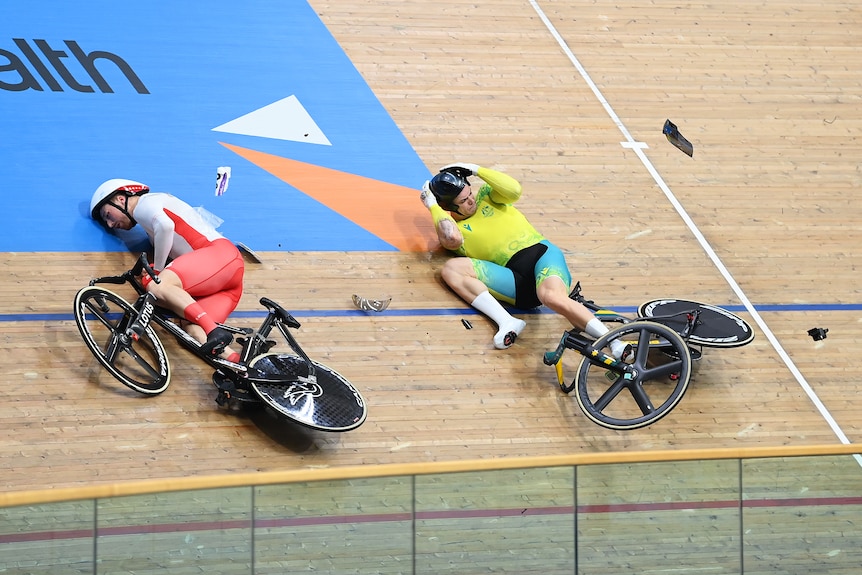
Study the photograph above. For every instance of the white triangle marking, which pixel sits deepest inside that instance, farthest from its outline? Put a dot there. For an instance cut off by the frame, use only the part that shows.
(285, 119)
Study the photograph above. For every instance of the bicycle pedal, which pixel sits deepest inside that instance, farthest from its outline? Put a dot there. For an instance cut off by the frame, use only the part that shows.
(224, 382)
(627, 352)
(222, 398)
(229, 392)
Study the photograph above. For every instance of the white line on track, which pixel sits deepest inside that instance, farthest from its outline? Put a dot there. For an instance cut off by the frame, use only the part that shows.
(638, 148)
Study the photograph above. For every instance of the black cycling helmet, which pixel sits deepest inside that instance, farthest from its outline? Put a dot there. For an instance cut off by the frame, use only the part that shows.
(447, 185)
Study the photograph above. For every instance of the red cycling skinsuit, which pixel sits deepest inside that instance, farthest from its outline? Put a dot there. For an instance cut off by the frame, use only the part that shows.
(210, 266)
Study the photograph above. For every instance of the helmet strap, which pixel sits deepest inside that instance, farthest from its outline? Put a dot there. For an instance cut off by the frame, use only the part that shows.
(124, 209)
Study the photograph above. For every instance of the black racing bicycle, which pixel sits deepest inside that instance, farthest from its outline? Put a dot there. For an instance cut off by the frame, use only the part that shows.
(662, 343)
(121, 337)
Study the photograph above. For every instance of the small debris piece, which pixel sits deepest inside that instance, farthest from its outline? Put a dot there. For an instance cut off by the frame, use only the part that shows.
(222, 180)
(674, 137)
(366, 304)
(817, 333)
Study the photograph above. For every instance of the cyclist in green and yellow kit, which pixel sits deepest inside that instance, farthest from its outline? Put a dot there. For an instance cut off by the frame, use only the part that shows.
(501, 255)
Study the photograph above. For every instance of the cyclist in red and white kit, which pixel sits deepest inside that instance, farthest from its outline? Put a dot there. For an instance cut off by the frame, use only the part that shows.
(200, 271)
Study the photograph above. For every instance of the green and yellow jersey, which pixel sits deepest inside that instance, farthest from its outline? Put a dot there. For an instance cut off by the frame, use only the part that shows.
(497, 230)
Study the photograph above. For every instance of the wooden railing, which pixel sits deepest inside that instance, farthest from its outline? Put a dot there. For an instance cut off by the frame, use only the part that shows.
(151, 486)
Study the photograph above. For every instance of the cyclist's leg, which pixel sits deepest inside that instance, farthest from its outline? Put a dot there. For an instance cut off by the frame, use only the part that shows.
(553, 283)
(219, 306)
(553, 292)
(169, 292)
(196, 274)
(200, 325)
(482, 284)
(212, 269)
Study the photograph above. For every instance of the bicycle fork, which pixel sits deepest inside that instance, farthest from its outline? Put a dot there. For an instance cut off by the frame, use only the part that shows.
(146, 308)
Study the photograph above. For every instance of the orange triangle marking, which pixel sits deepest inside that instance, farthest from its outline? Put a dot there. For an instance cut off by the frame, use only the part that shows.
(392, 213)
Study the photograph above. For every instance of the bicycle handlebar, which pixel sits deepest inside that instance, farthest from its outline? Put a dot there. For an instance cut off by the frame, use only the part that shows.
(282, 313)
(575, 294)
(130, 276)
(144, 265)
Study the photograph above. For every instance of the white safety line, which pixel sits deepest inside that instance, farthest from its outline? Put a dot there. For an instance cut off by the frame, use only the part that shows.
(638, 148)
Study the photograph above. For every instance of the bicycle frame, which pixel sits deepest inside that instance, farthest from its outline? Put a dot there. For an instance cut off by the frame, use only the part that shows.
(578, 341)
(662, 342)
(124, 341)
(573, 339)
(607, 315)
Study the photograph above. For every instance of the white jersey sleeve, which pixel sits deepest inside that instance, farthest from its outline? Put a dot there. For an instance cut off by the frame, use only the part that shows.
(174, 227)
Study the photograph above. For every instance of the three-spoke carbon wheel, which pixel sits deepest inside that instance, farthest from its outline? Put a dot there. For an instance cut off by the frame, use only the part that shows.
(658, 376)
(102, 318)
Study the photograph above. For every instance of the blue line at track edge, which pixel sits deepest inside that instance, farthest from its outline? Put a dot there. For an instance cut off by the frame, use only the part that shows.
(10, 317)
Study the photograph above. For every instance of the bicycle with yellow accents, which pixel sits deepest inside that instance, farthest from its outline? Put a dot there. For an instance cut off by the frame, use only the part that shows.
(649, 381)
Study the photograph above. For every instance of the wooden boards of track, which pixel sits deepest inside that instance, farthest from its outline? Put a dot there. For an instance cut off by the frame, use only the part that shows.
(436, 390)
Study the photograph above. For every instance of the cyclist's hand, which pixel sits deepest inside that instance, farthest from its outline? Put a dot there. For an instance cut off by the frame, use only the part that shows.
(147, 278)
(427, 196)
(471, 169)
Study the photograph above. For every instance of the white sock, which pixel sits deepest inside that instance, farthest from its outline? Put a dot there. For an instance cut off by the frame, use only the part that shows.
(509, 327)
(597, 329)
(488, 304)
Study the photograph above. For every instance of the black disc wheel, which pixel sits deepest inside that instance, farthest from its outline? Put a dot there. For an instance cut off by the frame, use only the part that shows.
(714, 326)
(326, 401)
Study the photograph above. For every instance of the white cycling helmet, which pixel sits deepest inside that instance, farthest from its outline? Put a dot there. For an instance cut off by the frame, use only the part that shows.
(108, 189)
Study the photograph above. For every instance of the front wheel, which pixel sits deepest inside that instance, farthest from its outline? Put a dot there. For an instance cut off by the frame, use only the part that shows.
(102, 318)
(659, 375)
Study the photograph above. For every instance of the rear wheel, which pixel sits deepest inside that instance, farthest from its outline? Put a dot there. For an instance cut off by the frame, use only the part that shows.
(102, 318)
(327, 401)
(715, 327)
